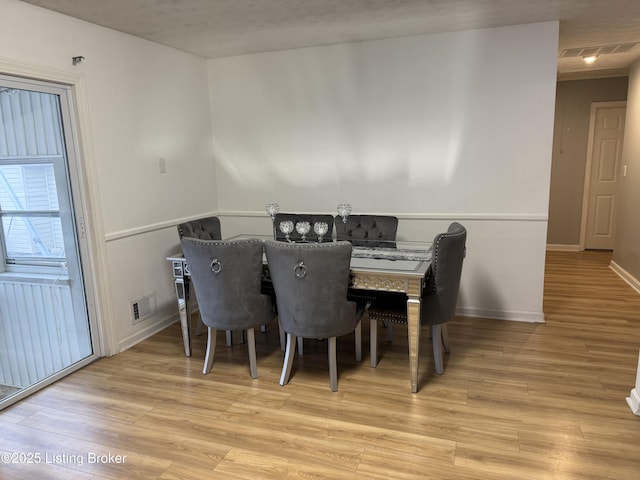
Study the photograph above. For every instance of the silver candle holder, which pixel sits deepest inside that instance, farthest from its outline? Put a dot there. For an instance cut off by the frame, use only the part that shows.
(344, 210)
(272, 209)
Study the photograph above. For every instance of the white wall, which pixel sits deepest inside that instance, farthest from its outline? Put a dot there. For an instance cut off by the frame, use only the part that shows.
(429, 138)
(626, 253)
(143, 102)
(433, 128)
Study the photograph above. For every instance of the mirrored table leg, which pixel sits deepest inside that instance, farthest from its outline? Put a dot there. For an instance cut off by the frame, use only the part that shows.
(184, 308)
(413, 331)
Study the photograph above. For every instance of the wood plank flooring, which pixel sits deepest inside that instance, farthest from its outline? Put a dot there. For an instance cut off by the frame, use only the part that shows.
(517, 401)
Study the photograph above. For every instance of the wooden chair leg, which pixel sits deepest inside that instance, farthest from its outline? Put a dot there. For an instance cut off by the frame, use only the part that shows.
(251, 344)
(373, 340)
(211, 350)
(436, 340)
(333, 365)
(288, 359)
(358, 335)
(300, 346)
(229, 338)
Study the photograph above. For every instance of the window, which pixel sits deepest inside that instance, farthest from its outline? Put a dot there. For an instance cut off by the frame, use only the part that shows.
(31, 228)
(32, 179)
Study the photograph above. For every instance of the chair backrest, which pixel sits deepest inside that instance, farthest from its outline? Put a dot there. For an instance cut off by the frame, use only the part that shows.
(207, 228)
(302, 217)
(311, 281)
(441, 291)
(373, 230)
(227, 277)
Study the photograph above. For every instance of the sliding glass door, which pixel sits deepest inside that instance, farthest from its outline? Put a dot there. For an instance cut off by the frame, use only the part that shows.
(44, 317)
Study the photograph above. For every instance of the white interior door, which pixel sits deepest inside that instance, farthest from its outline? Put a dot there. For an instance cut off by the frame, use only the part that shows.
(606, 154)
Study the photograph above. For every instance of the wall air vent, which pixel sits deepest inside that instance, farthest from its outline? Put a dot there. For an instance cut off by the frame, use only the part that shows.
(143, 308)
(597, 50)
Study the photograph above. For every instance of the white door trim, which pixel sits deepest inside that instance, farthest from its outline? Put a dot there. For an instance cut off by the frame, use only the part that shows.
(595, 106)
(97, 281)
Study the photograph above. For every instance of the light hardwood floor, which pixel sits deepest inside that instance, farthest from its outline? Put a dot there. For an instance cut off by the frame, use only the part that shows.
(517, 401)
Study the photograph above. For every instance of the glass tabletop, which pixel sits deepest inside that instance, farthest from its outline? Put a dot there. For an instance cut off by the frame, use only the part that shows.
(408, 256)
(376, 255)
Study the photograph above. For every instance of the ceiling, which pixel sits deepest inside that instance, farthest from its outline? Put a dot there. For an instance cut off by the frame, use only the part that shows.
(217, 28)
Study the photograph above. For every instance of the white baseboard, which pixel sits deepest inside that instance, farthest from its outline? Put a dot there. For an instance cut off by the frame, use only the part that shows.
(633, 400)
(626, 276)
(147, 332)
(563, 248)
(512, 315)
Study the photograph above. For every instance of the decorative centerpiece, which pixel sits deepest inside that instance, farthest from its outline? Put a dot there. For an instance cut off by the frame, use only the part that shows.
(303, 228)
(320, 229)
(344, 210)
(272, 209)
(286, 227)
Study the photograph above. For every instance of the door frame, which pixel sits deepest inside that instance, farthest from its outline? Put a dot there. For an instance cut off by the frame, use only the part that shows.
(595, 106)
(91, 238)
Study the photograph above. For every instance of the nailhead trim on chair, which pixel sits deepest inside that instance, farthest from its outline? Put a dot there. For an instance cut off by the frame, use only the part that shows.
(393, 317)
(436, 250)
(223, 242)
(434, 262)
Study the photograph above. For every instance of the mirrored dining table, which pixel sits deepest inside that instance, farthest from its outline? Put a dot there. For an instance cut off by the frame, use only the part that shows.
(399, 266)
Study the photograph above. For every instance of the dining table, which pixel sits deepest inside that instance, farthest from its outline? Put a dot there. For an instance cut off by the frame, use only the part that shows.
(398, 266)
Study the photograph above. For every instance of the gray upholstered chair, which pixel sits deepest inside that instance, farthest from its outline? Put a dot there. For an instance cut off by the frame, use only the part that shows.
(311, 282)
(368, 230)
(227, 278)
(439, 297)
(207, 228)
(303, 217)
(294, 236)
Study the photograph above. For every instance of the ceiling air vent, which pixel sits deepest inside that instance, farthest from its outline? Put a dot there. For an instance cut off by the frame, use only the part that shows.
(597, 50)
